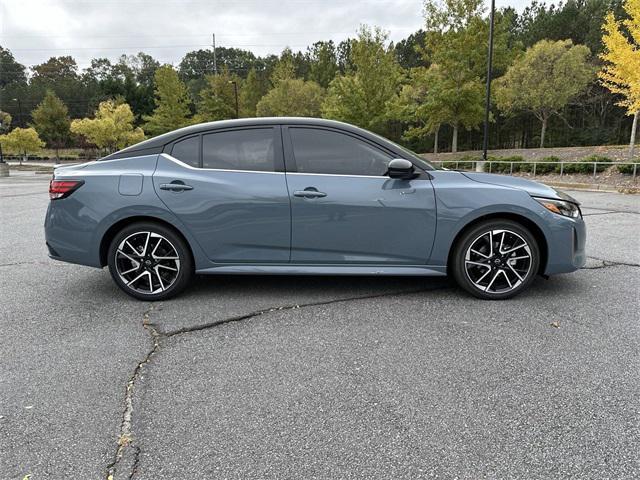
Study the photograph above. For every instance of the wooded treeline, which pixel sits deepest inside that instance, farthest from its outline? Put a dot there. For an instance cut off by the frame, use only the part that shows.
(427, 87)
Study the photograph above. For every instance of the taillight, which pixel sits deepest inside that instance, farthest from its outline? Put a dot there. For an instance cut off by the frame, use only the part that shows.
(63, 188)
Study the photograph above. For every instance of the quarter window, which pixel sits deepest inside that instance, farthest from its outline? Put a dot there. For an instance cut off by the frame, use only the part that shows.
(187, 151)
(250, 149)
(330, 152)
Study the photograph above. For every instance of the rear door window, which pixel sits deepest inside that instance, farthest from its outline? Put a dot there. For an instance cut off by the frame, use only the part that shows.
(187, 151)
(246, 149)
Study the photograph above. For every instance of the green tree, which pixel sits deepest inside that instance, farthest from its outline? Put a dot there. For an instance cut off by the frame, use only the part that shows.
(284, 69)
(361, 95)
(251, 91)
(324, 63)
(172, 103)
(112, 128)
(217, 98)
(455, 46)
(544, 80)
(292, 97)
(21, 141)
(10, 70)
(51, 121)
(5, 121)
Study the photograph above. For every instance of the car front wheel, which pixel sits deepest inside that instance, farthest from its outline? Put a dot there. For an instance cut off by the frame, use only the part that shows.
(496, 259)
(149, 261)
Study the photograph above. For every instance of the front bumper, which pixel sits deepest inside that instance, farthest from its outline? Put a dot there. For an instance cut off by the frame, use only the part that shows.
(567, 245)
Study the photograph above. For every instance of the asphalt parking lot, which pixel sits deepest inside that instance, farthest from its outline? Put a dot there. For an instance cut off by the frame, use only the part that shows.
(282, 377)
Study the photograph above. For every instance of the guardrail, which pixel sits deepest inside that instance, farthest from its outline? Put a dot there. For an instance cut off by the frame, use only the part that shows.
(562, 167)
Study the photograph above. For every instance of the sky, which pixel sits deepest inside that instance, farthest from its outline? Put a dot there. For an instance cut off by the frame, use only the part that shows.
(35, 30)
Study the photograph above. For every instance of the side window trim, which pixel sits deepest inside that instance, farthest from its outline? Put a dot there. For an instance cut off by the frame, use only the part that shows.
(290, 159)
(278, 151)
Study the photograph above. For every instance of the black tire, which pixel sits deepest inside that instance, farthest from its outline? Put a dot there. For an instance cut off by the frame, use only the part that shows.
(507, 269)
(158, 263)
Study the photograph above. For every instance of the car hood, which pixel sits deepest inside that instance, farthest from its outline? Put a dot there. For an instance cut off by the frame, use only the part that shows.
(532, 188)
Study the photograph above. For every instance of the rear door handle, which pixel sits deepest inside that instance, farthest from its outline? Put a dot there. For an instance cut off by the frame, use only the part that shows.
(309, 194)
(175, 186)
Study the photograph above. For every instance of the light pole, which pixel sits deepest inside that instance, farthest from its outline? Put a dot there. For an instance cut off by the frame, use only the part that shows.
(487, 104)
(19, 109)
(235, 90)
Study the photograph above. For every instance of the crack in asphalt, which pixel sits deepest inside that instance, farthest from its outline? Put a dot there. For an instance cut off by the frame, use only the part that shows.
(31, 262)
(126, 439)
(608, 264)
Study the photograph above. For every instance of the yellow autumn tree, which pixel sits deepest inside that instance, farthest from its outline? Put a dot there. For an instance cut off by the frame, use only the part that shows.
(112, 128)
(621, 71)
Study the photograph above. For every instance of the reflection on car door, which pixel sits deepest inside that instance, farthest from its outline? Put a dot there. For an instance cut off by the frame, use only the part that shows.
(229, 189)
(345, 210)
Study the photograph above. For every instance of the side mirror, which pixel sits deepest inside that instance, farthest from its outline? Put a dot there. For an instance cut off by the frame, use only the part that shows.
(401, 168)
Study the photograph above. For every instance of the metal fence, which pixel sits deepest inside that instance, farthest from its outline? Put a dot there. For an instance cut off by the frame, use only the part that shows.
(540, 167)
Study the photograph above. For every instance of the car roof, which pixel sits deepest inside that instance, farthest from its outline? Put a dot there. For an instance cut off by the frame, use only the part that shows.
(157, 144)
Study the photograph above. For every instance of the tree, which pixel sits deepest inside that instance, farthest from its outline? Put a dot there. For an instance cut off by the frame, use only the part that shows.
(217, 99)
(621, 72)
(251, 91)
(292, 97)
(432, 99)
(21, 141)
(51, 121)
(324, 63)
(10, 70)
(408, 51)
(5, 121)
(455, 45)
(544, 80)
(361, 95)
(172, 103)
(112, 128)
(284, 69)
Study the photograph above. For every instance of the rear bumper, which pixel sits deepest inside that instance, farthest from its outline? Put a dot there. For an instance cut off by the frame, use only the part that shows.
(67, 237)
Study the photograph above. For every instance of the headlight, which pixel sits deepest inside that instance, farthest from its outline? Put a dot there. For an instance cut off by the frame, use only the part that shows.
(561, 207)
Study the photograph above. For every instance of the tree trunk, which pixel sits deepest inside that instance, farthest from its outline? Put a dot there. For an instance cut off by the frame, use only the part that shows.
(454, 141)
(57, 155)
(23, 158)
(632, 142)
(543, 131)
(435, 141)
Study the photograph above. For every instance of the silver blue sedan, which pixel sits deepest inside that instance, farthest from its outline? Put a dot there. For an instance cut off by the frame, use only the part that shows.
(301, 196)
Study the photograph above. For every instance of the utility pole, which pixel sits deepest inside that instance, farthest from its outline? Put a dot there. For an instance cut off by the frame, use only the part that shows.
(215, 63)
(487, 105)
(235, 89)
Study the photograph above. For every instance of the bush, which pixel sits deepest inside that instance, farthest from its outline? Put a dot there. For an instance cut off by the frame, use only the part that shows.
(464, 163)
(628, 169)
(587, 167)
(545, 168)
(503, 167)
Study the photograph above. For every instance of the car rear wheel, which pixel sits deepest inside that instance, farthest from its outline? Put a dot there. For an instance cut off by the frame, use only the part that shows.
(496, 259)
(149, 261)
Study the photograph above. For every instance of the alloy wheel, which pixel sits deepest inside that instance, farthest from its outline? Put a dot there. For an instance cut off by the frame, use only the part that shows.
(498, 261)
(147, 262)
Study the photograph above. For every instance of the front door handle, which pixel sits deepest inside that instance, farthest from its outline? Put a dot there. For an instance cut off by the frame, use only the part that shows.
(175, 186)
(309, 192)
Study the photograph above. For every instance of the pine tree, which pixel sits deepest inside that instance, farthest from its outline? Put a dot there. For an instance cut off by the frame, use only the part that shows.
(172, 103)
(51, 121)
